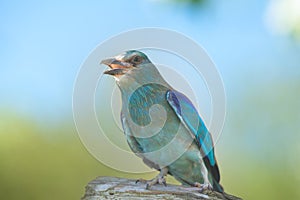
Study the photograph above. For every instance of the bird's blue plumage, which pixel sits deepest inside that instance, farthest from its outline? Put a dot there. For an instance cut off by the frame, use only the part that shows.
(183, 131)
(188, 114)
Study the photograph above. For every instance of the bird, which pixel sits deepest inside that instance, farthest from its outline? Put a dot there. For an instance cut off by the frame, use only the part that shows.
(161, 124)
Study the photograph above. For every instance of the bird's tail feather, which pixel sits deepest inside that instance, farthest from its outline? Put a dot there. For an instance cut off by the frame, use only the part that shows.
(213, 173)
(217, 186)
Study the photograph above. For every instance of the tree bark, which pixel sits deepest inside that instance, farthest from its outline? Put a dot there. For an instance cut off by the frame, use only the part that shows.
(121, 188)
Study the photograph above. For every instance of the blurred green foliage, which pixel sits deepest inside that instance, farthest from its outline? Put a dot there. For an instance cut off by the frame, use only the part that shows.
(192, 5)
(45, 163)
(262, 160)
(258, 152)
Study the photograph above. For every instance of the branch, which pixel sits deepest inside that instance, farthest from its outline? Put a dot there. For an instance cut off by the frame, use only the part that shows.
(121, 188)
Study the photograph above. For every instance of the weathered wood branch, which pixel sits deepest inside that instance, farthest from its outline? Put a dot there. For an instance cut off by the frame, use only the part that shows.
(121, 188)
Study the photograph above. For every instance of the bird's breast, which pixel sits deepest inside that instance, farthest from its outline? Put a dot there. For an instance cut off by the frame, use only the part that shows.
(150, 118)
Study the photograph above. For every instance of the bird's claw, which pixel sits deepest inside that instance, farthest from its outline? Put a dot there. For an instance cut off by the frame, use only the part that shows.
(159, 179)
(162, 181)
(203, 187)
(156, 180)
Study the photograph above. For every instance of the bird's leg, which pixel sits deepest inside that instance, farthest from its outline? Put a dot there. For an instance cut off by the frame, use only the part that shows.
(206, 185)
(203, 187)
(160, 178)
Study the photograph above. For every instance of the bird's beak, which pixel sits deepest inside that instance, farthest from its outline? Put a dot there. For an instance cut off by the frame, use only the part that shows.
(117, 67)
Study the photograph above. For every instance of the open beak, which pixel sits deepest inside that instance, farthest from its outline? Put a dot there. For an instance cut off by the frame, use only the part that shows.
(117, 67)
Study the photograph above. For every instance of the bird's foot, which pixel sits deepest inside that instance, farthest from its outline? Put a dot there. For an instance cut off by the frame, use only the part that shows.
(157, 180)
(150, 183)
(203, 187)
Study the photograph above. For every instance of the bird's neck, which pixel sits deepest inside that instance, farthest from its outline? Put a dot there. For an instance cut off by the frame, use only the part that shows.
(133, 81)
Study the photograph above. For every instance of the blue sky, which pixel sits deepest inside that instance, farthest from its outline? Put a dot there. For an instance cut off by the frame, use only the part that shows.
(44, 43)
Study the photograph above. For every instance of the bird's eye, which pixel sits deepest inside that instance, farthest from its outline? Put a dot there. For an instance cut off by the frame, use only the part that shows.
(137, 59)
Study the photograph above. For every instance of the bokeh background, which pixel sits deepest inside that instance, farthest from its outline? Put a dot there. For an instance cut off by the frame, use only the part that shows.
(255, 45)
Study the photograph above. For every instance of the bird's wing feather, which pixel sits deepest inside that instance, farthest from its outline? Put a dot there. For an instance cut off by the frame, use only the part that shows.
(134, 144)
(189, 116)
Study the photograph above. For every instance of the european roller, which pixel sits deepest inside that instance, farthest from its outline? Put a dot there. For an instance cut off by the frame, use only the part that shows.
(161, 125)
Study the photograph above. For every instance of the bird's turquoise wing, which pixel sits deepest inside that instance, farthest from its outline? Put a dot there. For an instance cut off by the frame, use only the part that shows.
(189, 116)
(134, 145)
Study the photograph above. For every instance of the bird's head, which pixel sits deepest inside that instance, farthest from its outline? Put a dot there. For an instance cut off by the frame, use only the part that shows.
(125, 63)
(132, 69)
